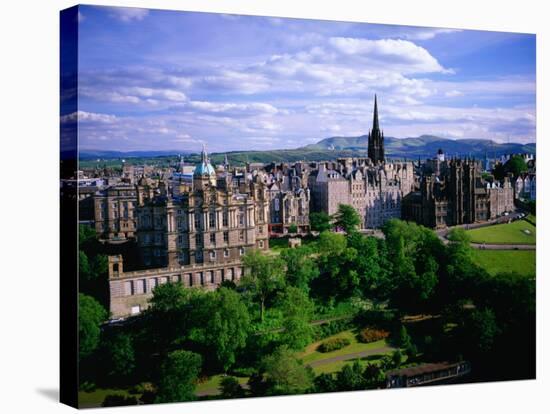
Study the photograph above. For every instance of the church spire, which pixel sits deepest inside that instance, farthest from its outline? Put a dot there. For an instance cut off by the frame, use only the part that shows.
(375, 123)
(376, 138)
(204, 155)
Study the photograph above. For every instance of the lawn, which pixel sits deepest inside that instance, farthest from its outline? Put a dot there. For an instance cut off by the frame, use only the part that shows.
(517, 232)
(497, 261)
(281, 243)
(213, 383)
(312, 355)
(95, 398)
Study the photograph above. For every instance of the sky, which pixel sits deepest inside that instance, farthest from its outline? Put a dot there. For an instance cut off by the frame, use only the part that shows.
(171, 80)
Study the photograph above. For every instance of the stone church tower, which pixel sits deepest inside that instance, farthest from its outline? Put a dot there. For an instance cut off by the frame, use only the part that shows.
(376, 139)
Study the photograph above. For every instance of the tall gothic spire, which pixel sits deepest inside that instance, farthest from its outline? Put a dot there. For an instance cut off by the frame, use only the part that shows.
(376, 138)
(375, 124)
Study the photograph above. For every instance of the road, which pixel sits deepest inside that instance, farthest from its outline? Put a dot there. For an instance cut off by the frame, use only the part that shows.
(354, 355)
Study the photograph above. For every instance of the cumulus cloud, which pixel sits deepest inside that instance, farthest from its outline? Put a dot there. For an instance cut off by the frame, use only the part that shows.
(128, 14)
(83, 116)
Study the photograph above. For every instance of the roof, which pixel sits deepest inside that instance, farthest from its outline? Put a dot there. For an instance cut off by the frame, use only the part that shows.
(421, 369)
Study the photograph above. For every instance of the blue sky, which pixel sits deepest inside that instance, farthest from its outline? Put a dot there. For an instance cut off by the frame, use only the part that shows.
(166, 80)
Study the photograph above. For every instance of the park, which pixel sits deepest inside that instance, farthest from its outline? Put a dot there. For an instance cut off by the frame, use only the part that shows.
(335, 313)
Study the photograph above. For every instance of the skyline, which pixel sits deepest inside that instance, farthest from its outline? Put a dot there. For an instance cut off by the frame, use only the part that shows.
(171, 80)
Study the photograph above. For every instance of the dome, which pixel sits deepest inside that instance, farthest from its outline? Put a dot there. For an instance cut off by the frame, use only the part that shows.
(204, 168)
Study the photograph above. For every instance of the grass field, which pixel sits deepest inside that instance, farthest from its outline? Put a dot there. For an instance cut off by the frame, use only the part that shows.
(517, 232)
(213, 383)
(497, 261)
(311, 354)
(96, 397)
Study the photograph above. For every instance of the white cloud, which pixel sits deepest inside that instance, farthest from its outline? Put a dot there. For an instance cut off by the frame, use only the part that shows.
(232, 109)
(425, 34)
(83, 116)
(406, 56)
(128, 14)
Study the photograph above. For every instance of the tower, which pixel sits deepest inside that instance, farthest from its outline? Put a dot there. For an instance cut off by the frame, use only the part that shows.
(376, 138)
(204, 175)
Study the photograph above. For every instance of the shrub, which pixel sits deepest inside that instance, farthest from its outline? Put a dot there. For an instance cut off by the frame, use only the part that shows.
(116, 400)
(333, 344)
(369, 334)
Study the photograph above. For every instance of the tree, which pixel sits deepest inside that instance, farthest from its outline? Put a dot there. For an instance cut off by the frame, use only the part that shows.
(325, 382)
(331, 243)
(178, 376)
(297, 310)
(264, 274)
(404, 339)
(90, 317)
(169, 320)
(347, 218)
(120, 357)
(293, 228)
(301, 269)
(350, 378)
(397, 358)
(319, 221)
(515, 165)
(285, 374)
(230, 388)
(414, 253)
(221, 325)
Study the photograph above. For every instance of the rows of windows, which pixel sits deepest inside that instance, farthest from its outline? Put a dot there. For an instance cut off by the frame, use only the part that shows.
(146, 286)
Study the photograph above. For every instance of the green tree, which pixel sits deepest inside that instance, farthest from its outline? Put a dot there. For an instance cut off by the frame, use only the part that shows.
(120, 356)
(301, 268)
(285, 374)
(319, 221)
(515, 165)
(331, 243)
(90, 317)
(347, 218)
(404, 339)
(221, 325)
(86, 234)
(325, 382)
(293, 228)
(414, 253)
(297, 310)
(397, 358)
(264, 274)
(350, 378)
(178, 376)
(230, 388)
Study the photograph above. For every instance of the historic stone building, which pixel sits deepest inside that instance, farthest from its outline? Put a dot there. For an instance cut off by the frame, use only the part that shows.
(212, 223)
(197, 237)
(371, 185)
(114, 212)
(453, 192)
(289, 198)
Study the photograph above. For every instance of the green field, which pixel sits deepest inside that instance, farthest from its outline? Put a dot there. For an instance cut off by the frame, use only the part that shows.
(499, 261)
(517, 232)
(95, 398)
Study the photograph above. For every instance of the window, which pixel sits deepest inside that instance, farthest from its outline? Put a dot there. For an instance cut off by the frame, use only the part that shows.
(241, 251)
(135, 310)
(241, 235)
(212, 219)
(226, 253)
(261, 229)
(241, 219)
(213, 255)
(261, 243)
(225, 218)
(198, 239)
(212, 238)
(197, 221)
(226, 237)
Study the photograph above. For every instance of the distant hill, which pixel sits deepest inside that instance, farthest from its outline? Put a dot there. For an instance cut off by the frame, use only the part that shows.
(94, 154)
(425, 146)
